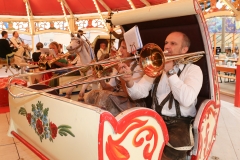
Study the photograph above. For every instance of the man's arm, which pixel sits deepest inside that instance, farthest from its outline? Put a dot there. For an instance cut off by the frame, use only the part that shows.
(186, 91)
(116, 35)
(14, 42)
(135, 90)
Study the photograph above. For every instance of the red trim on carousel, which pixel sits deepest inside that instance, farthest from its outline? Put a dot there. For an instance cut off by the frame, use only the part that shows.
(122, 125)
(33, 149)
(203, 143)
(237, 88)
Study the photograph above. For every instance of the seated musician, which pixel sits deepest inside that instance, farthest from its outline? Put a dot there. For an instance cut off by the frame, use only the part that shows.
(115, 87)
(60, 62)
(4, 45)
(102, 52)
(17, 43)
(174, 94)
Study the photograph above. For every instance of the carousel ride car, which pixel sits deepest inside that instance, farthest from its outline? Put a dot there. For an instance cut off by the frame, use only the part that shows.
(54, 127)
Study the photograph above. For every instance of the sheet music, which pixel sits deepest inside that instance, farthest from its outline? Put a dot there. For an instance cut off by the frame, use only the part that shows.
(48, 51)
(52, 52)
(133, 39)
(44, 51)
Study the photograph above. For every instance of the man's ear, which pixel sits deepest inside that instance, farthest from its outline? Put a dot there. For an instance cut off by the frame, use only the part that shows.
(185, 49)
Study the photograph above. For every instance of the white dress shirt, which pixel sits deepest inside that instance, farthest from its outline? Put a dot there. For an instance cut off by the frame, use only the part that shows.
(101, 52)
(185, 89)
(16, 42)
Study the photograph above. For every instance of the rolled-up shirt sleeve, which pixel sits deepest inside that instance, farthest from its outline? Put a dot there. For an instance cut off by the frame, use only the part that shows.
(186, 90)
(141, 89)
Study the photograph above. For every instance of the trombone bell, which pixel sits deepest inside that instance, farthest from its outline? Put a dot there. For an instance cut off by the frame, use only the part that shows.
(152, 60)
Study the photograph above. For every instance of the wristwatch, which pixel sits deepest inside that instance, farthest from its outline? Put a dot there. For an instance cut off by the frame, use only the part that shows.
(170, 72)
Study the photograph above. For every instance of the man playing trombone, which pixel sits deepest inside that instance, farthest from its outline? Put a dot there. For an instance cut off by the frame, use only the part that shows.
(174, 95)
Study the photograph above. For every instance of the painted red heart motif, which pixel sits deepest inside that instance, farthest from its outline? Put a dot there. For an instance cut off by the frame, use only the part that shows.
(137, 134)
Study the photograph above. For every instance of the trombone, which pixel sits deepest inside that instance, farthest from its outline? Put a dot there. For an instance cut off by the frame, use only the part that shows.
(151, 58)
(43, 62)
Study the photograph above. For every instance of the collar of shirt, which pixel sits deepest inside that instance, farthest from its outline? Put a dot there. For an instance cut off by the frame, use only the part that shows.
(103, 50)
(177, 67)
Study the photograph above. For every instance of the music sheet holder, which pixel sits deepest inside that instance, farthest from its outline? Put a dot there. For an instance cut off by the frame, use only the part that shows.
(133, 39)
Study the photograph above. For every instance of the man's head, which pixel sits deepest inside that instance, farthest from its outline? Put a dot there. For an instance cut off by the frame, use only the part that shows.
(39, 45)
(15, 34)
(80, 33)
(177, 43)
(4, 34)
(103, 45)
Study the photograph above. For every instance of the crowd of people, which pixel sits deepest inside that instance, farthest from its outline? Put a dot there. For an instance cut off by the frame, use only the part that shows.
(173, 94)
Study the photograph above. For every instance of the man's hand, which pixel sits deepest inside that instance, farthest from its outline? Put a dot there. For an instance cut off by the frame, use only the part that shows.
(168, 66)
(111, 29)
(123, 68)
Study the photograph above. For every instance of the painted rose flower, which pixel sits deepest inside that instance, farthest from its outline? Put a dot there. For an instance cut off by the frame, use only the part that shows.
(39, 126)
(29, 116)
(54, 130)
(38, 120)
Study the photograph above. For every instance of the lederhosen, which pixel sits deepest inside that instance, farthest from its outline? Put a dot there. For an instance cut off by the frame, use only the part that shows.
(178, 127)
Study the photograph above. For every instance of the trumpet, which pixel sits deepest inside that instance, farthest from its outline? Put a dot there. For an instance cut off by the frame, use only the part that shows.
(43, 62)
(151, 58)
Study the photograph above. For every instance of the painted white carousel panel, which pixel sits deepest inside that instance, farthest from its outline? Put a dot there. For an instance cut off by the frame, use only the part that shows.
(55, 125)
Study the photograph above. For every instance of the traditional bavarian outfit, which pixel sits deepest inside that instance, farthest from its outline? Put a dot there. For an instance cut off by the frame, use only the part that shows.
(174, 98)
(101, 54)
(117, 100)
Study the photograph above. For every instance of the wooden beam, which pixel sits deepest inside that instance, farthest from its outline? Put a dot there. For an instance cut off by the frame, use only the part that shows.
(145, 2)
(105, 5)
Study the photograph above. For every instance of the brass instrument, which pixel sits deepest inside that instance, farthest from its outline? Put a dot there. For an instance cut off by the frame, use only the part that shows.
(43, 62)
(151, 57)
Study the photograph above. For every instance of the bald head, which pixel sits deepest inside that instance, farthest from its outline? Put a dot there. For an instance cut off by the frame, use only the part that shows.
(177, 43)
(185, 40)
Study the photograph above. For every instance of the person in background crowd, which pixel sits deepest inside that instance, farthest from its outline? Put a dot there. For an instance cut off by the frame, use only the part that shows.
(61, 62)
(37, 53)
(18, 43)
(102, 52)
(4, 45)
